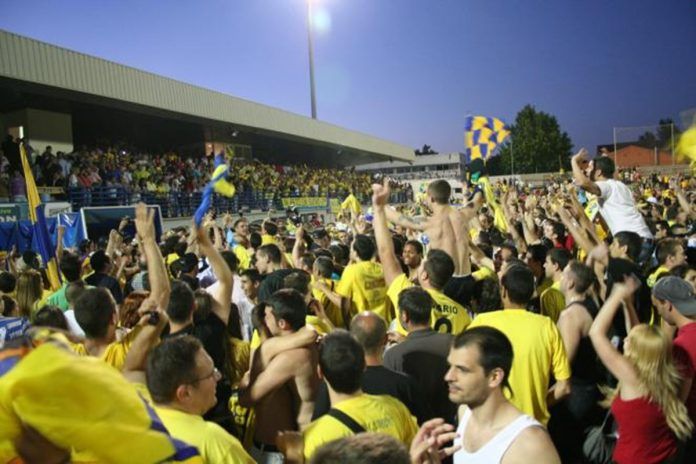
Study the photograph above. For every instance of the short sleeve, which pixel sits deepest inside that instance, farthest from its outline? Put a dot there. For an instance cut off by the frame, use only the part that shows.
(345, 284)
(604, 188)
(559, 358)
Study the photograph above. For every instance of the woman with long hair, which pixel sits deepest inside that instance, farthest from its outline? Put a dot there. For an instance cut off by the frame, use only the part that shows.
(29, 291)
(650, 417)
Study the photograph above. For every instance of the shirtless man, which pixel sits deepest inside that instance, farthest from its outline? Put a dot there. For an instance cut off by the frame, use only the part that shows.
(446, 228)
(283, 380)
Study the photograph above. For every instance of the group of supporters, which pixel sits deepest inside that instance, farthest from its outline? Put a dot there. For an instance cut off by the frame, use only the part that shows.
(500, 330)
(141, 172)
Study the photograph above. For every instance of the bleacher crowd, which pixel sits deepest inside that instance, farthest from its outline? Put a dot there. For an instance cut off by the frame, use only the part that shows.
(547, 325)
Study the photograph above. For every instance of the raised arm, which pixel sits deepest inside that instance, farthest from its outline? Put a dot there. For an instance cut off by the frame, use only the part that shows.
(223, 296)
(298, 247)
(60, 233)
(159, 281)
(153, 320)
(385, 245)
(619, 366)
(401, 219)
(578, 161)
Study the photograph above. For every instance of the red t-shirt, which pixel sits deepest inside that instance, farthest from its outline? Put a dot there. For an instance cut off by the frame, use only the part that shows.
(684, 352)
(644, 436)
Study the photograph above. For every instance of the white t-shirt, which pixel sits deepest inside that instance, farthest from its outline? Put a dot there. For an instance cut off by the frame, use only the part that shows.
(618, 209)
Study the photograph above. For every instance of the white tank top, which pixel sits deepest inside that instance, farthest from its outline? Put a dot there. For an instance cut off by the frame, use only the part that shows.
(493, 451)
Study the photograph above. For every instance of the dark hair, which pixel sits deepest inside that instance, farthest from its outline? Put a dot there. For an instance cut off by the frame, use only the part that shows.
(415, 244)
(632, 241)
(181, 302)
(270, 228)
(8, 282)
(667, 247)
(363, 448)
(560, 257)
(50, 316)
(255, 240)
(99, 261)
(94, 311)
(74, 291)
(171, 364)
(298, 280)
(537, 253)
(558, 229)
(487, 295)
(664, 225)
(290, 306)
(440, 191)
(606, 165)
(439, 266)
(342, 361)
(252, 274)
(271, 251)
(364, 247)
(417, 304)
(495, 349)
(370, 334)
(191, 281)
(339, 254)
(8, 306)
(70, 266)
(307, 260)
(324, 266)
(583, 277)
(518, 281)
(682, 270)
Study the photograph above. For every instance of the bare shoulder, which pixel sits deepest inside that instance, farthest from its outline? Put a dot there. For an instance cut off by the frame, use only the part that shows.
(575, 313)
(533, 444)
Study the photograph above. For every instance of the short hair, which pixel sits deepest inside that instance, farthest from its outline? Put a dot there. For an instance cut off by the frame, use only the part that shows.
(362, 448)
(364, 247)
(440, 267)
(682, 270)
(94, 311)
(171, 364)
(415, 244)
(239, 221)
(70, 266)
(664, 225)
(74, 291)
(518, 281)
(558, 229)
(560, 257)
(370, 334)
(606, 165)
(255, 240)
(342, 361)
(8, 282)
(582, 276)
(181, 302)
(50, 316)
(307, 260)
(271, 251)
(495, 349)
(667, 247)
(230, 259)
(271, 228)
(298, 280)
(440, 191)
(417, 304)
(252, 274)
(324, 266)
(99, 260)
(537, 253)
(9, 305)
(632, 241)
(289, 305)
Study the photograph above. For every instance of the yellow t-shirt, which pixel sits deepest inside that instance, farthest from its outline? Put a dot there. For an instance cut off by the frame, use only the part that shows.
(319, 325)
(447, 316)
(268, 240)
(115, 353)
(364, 284)
(539, 352)
(484, 273)
(240, 350)
(243, 256)
(552, 301)
(375, 413)
(332, 311)
(212, 441)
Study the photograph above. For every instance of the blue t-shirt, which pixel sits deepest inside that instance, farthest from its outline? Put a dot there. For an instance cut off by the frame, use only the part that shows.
(11, 328)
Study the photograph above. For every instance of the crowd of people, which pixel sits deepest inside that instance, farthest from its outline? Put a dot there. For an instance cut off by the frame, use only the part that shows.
(139, 173)
(555, 324)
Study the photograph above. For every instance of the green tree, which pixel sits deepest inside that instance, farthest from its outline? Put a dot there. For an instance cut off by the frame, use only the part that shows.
(664, 134)
(538, 145)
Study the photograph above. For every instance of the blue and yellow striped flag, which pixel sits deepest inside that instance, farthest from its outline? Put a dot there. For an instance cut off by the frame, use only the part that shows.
(482, 136)
(42, 239)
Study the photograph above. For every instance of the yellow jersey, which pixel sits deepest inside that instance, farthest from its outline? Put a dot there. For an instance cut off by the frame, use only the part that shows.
(539, 352)
(552, 301)
(332, 311)
(364, 284)
(115, 353)
(447, 316)
(375, 413)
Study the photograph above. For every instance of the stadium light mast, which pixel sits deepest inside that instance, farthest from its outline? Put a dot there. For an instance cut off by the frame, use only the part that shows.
(311, 59)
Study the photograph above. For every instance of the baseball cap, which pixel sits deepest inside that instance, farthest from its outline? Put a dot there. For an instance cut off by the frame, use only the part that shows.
(678, 292)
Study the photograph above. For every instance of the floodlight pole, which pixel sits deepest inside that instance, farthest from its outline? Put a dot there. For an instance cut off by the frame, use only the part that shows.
(512, 158)
(671, 140)
(311, 59)
(616, 158)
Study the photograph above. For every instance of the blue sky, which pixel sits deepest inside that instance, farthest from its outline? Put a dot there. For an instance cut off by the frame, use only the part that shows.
(404, 70)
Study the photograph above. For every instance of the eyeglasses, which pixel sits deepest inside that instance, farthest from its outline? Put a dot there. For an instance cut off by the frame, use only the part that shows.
(215, 373)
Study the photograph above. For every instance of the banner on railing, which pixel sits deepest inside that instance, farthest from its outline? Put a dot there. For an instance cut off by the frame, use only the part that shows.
(9, 213)
(304, 203)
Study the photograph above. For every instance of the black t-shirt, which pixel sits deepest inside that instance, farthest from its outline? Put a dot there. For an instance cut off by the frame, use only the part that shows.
(108, 282)
(212, 333)
(272, 283)
(378, 380)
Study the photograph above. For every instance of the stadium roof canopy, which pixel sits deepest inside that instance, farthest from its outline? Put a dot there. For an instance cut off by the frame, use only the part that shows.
(100, 93)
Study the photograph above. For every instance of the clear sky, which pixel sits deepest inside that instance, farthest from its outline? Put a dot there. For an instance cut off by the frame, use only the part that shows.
(404, 70)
